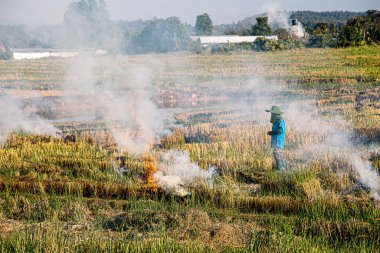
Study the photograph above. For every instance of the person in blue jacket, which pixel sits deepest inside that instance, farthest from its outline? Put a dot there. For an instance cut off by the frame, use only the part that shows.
(277, 136)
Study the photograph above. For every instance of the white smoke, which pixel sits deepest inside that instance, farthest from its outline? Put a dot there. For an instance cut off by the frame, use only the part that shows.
(14, 118)
(304, 117)
(367, 174)
(176, 171)
(119, 92)
(297, 30)
(277, 17)
(324, 139)
(336, 142)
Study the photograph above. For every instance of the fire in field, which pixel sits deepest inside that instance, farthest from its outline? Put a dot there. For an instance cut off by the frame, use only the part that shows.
(215, 151)
(184, 161)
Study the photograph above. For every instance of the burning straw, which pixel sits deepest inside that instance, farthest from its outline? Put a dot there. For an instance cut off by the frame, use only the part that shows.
(150, 169)
(176, 172)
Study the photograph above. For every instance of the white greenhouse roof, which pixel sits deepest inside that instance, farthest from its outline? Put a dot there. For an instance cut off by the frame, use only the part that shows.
(228, 39)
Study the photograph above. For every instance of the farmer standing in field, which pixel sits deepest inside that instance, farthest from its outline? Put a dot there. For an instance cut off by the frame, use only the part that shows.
(277, 136)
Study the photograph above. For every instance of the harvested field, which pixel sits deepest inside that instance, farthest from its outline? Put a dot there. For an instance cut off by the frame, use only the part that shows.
(81, 188)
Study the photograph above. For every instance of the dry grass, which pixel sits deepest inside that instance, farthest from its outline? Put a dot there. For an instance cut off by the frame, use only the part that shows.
(70, 192)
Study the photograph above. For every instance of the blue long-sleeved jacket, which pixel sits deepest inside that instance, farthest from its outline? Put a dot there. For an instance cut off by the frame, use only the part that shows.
(278, 137)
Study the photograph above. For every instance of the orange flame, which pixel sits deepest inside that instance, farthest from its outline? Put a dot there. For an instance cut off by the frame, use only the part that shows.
(150, 169)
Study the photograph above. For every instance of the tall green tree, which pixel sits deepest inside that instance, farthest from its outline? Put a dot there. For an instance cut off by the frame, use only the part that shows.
(282, 34)
(321, 28)
(203, 25)
(322, 36)
(162, 35)
(374, 27)
(86, 23)
(361, 30)
(261, 28)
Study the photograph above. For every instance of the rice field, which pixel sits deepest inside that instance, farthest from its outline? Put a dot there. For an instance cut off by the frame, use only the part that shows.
(78, 191)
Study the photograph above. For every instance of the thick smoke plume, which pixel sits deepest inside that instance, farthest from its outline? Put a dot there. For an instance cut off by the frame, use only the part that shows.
(277, 17)
(120, 96)
(176, 171)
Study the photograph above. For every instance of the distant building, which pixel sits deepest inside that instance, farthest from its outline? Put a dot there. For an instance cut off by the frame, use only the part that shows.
(228, 39)
(38, 53)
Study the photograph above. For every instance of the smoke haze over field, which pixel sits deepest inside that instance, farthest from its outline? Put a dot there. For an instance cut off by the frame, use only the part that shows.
(334, 134)
(13, 117)
(336, 143)
(37, 12)
(120, 94)
(120, 91)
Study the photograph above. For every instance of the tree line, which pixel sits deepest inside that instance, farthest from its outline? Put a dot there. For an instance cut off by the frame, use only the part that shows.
(321, 31)
(87, 25)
